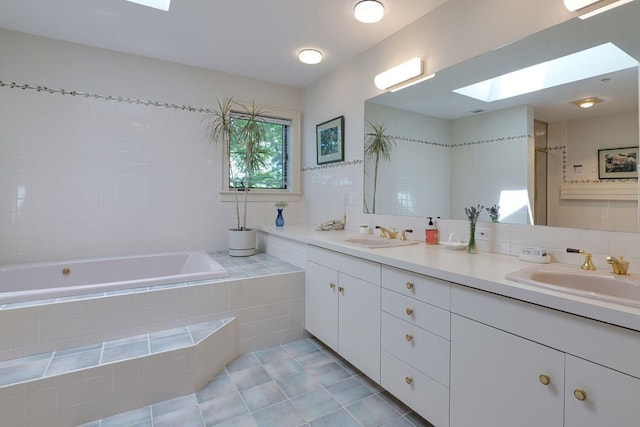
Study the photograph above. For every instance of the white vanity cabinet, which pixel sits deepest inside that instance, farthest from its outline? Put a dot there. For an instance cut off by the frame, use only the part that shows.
(497, 379)
(342, 306)
(611, 398)
(514, 363)
(415, 342)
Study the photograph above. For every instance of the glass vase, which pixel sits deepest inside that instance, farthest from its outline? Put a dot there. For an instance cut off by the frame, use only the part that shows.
(279, 219)
(471, 247)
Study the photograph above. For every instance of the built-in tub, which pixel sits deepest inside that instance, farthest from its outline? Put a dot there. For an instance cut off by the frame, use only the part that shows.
(27, 282)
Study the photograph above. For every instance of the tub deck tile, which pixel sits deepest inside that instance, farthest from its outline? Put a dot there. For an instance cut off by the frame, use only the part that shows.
(59, 362)
(20, 372)
(125, 351)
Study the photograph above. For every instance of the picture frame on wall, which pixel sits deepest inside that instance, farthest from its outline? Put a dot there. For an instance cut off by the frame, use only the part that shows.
(330, 141)
(618, 163)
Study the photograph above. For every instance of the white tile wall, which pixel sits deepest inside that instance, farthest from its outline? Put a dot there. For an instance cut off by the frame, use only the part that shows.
(269, 311)
(84, 176)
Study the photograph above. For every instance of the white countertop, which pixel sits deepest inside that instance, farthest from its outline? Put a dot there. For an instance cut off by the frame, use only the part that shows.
(484, 271)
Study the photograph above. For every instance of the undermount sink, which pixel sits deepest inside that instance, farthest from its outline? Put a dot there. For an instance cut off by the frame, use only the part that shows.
(373, 242)
(594, 284)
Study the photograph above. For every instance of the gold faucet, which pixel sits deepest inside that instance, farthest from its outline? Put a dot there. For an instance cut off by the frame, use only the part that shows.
(588, 262)
(403, 236)
(385, 232)
(618, 265)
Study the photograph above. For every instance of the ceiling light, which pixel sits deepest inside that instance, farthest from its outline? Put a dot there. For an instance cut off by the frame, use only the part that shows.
(413, 82)
(604, 8)
(368, 11)
(599, 6)
(156, 4)
(573, 5)
(399, 74)
(587, 102)
(310, 56)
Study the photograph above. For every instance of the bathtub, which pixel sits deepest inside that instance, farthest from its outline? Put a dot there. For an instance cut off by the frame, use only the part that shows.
(27, 282)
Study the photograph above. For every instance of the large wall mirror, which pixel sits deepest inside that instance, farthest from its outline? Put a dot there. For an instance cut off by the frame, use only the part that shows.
(539, 156)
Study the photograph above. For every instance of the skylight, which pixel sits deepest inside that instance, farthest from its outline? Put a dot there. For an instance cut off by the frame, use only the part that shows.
(598, 60)
(156, 4)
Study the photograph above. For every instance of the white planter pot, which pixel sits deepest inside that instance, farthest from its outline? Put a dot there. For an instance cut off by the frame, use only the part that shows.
(242, 243)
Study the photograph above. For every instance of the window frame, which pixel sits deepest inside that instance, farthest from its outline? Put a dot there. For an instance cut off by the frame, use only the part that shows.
(293, 192)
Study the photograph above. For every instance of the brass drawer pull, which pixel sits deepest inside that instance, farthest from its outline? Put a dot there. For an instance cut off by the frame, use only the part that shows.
(581, 395)
(341, 290)
(409, 311)
(332, 285)
(409, 285)
(545, 379)
(408, 380)
(408, 337)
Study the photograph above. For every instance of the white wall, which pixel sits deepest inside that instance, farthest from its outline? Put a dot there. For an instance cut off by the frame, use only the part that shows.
(582, 139)
(487, 166)
(85, 177)
(416, 181)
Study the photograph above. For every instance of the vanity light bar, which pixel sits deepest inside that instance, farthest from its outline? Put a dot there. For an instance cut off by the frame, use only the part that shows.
(604, 8)
(156, 4)
(399, 74)
(599, 6)
(573, 5)
(413, 82)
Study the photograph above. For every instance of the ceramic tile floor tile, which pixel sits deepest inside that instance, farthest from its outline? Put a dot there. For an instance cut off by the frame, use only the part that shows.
(271, 388)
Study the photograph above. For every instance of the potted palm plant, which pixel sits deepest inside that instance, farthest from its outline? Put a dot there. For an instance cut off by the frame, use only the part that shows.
(378, 146)
(240, 132)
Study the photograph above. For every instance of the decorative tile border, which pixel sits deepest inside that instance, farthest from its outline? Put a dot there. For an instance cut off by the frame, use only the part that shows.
(419, 141)
(333, 165)
(462, 144)
(25, 86)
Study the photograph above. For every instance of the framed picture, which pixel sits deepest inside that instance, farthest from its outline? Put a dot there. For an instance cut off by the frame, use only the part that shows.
(330, 141)
(618, 163)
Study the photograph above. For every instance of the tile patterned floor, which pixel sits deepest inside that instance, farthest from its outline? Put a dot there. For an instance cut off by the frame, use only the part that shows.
(300, 383)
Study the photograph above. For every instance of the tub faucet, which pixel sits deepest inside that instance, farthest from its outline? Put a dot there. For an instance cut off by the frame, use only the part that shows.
(618, 266)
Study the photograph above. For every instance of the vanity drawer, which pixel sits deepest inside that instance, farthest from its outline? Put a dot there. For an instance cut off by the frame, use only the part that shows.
(427, 397)
(426, 316)
(357, 267)
(421, 349)
(424, 288)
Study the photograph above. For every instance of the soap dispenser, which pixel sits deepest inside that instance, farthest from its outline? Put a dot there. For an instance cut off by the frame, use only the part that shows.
(431, 233)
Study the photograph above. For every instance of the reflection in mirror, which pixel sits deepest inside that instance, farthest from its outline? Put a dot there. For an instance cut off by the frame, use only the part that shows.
(535, 154)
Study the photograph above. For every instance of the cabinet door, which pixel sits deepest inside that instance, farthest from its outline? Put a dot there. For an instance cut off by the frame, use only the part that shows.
(495, 379)
(610, 397)
(321, 303)
(359, 332)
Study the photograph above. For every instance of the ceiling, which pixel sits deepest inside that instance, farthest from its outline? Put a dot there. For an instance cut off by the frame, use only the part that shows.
(252, 38)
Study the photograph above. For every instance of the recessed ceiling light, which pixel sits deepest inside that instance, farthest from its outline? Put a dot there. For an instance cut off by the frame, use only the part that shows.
(156, 4)
(587, 102)
(368, 11)
(310, 56)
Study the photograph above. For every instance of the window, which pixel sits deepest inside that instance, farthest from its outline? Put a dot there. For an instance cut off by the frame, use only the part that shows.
(271, 172)
(278, 177)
